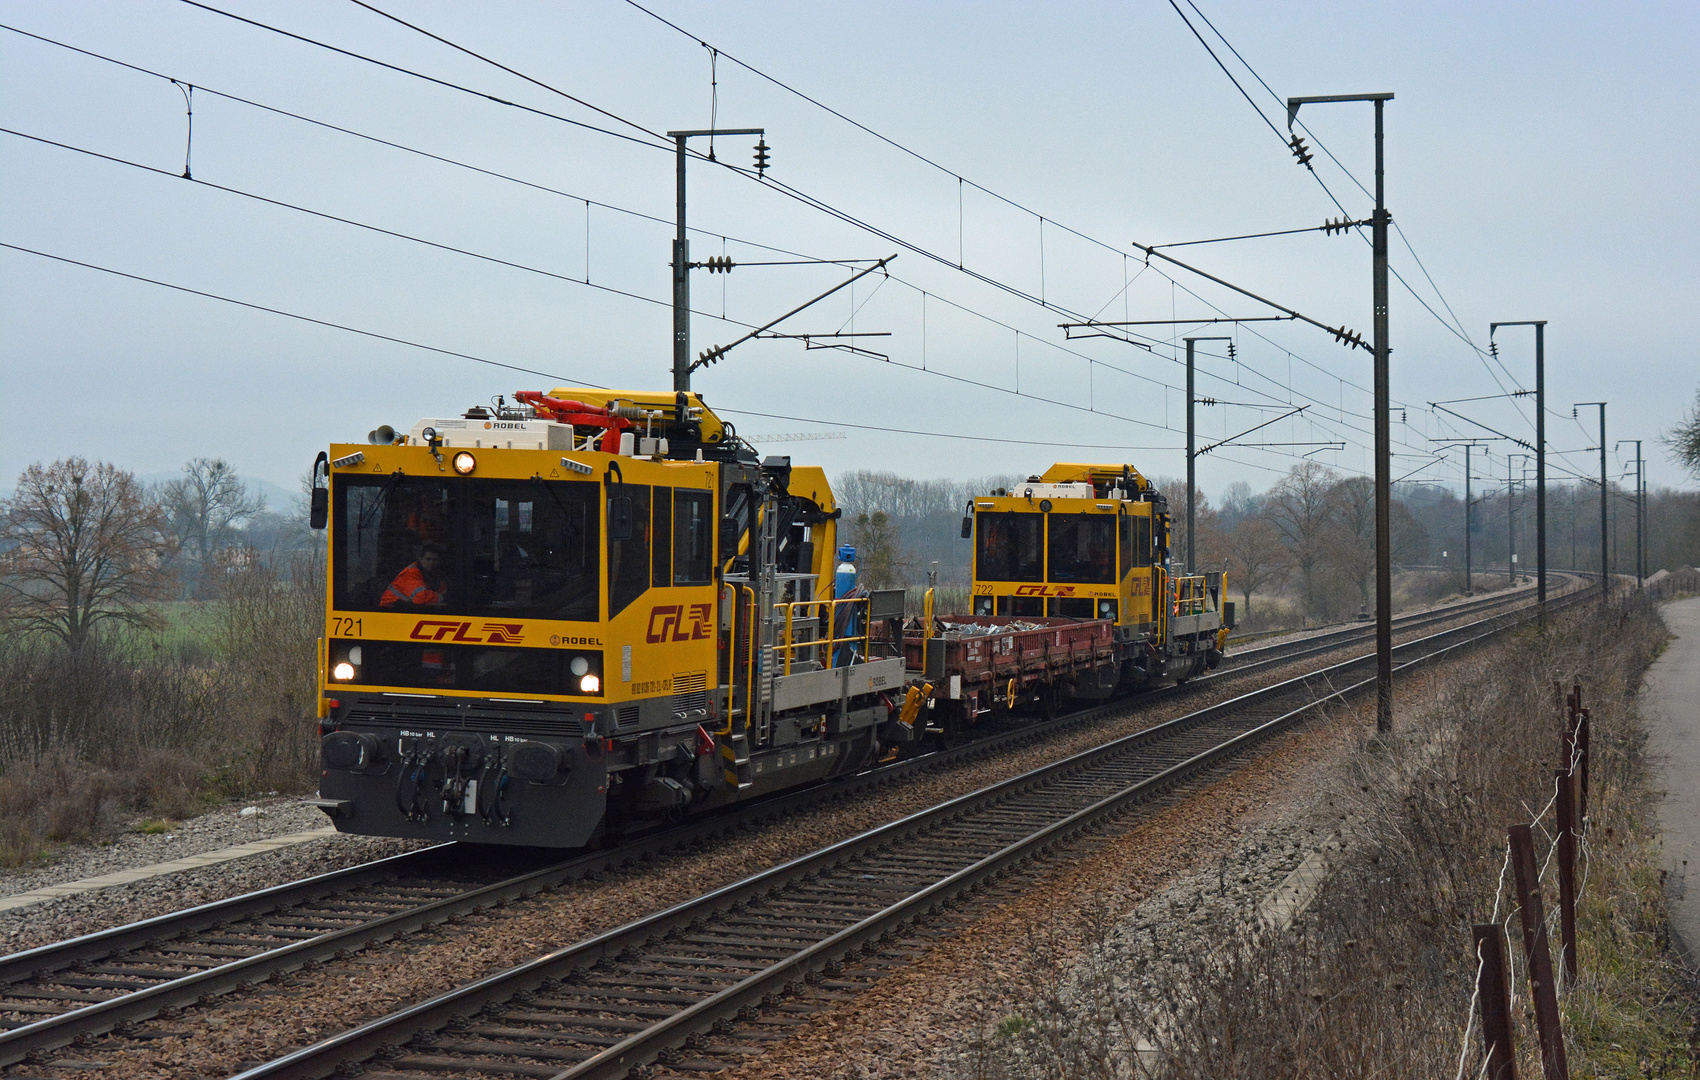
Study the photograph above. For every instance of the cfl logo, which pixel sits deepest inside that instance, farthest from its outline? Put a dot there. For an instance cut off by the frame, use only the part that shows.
(669, 622)
(461, 631)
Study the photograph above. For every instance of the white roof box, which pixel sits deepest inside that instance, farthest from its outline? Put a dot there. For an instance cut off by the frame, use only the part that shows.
(1073, 489)
(463, 434)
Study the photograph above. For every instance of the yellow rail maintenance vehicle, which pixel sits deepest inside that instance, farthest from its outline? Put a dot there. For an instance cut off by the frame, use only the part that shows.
(581, 612)
(1089, 541)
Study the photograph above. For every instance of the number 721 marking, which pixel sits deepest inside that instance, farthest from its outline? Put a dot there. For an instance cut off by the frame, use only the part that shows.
(344, 627)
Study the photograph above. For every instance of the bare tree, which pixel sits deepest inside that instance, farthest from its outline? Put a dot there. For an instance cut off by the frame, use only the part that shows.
(82, 545)
(1210, 545)
(1256, 557)
(1410, 540)
(1238, 502)
(1683, 439)
(1301, 507)
(205, 506)
(879, 551)
(1350, 543)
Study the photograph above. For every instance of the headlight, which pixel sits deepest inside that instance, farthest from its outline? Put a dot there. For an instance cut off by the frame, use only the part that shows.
(343, 672)
(464, 463)
(983, 605)
(1106, 608)
(590, 684)
(579, 665)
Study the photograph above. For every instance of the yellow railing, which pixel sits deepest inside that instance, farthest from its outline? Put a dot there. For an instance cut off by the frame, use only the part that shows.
(1187, 595)
(751, 648)
(820, 609)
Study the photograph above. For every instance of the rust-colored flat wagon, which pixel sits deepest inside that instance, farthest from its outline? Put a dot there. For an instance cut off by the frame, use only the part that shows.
(979, 663)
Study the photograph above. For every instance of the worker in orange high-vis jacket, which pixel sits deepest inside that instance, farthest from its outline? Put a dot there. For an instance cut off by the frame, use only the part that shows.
(418, 585)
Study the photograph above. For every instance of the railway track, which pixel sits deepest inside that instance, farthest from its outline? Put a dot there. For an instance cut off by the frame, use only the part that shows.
(56, 994)
(1263, 656)
(662, 989)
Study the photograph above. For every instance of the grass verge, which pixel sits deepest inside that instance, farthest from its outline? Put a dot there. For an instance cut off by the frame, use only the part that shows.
(126, 728)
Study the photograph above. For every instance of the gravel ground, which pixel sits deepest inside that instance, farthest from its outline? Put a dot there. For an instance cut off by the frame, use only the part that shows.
(220, 828)
(69, 916)
(222, 1037)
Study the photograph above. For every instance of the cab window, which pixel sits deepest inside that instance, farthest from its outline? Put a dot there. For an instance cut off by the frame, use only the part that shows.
(1009, 547)
(693, 537)
(661, 560)
(513, 548)
(530, 548)
(628, 560)
(1083, 549)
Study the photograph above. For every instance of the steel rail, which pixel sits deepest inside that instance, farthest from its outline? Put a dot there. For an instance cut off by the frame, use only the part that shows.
(1284, 652)
(383, 1038)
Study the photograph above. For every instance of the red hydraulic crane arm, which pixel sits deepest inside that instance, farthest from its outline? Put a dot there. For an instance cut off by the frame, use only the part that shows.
(578, 413)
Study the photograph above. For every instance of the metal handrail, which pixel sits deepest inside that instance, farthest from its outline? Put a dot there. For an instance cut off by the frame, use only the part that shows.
(791, 646)
(750, 659)
(1188, 595)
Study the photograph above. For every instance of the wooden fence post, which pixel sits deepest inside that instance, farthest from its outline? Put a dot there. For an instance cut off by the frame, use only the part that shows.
(1542, 986)
(1566, 811)
(1493, 990)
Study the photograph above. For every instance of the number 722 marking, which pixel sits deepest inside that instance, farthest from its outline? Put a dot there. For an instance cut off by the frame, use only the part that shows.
(343, 627)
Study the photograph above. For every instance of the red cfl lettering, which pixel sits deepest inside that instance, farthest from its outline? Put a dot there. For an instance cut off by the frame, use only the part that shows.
(442, 630)
(667, 622)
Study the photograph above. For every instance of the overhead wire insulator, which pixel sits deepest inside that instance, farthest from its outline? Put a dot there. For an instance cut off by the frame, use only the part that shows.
(1231, 351)
(1493, 349)
(1297, 146)
(719, 264)
(761, 157)
(712, 355)
(1337, 225)
(1207, 401)
(1346, 337)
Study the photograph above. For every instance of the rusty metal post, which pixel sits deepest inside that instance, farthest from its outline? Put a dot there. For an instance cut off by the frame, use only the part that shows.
(1493, 990)
(1566, 809)
(1542, 986)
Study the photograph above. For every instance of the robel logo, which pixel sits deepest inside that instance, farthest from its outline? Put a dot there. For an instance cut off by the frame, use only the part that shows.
(502, 425)
(458, 630)
(668, 622)
(1045, 590)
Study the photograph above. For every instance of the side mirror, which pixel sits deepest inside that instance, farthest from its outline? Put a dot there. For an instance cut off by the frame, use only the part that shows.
(729, 536)
(967, 527)
(620, 517)
(319, 499)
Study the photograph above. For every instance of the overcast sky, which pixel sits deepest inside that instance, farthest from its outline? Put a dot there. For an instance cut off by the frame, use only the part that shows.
(1541, 162)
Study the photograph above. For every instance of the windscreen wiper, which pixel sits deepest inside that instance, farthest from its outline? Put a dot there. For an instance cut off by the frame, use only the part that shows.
(377, 504)
(566, 515)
